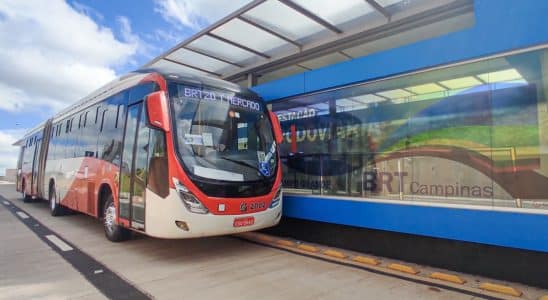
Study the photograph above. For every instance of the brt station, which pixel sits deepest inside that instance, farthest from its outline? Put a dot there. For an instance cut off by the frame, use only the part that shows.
(413, 135)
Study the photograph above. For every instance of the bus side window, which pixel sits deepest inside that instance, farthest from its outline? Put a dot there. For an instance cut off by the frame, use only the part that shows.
(102, 121)
(120, 116)
(97, 113)
(49, 153)
(109, 144)
(89, 144)
(157, 164)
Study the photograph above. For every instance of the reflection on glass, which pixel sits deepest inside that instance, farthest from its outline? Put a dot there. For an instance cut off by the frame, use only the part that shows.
(140, 174)
(127, 158)
(471, 134)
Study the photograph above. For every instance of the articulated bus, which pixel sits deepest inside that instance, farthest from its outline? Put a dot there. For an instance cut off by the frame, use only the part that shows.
(165, 154)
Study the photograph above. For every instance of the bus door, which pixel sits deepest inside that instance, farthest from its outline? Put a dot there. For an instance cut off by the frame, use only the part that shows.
(19, 169)
(133, 170)
(35, 164)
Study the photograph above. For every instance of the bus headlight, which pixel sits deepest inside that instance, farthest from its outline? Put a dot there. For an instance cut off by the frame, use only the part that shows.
(189, 200)
(277, 198)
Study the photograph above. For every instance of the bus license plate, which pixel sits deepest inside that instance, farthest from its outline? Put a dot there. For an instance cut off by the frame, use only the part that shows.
(241, 222)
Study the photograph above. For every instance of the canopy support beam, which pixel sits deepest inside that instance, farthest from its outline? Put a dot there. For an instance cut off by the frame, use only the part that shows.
(212, 56)
(192, 67)
(274, 33)
(305, 12)
(380, 9)
(222, 39)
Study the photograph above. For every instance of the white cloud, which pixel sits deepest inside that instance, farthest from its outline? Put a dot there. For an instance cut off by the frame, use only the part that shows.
(143, 48)
(53, 55)
(163, 35)
(87, 10)
(9, 153)
(196, 14)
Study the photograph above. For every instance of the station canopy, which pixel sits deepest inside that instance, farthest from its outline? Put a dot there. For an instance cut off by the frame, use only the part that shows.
(270, 39)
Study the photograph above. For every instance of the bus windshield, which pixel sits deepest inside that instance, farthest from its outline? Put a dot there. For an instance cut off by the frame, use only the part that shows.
(222, 136)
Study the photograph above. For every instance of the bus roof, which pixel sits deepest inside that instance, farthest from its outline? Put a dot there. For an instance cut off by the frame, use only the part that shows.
(131, 79)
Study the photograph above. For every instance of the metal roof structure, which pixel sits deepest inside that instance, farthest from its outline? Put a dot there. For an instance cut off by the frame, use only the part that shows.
(269, 39)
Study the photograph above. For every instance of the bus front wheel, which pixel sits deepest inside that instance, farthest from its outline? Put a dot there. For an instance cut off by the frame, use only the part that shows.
(54, 207)
(26, 198)
(113, 231)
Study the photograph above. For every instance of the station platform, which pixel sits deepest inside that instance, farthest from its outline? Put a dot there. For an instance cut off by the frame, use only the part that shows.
(68, 257)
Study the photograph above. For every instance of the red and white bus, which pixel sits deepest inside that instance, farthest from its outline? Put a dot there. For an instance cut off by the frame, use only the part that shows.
(165, 154)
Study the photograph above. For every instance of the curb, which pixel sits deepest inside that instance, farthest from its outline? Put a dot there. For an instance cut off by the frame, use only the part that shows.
(444, 280)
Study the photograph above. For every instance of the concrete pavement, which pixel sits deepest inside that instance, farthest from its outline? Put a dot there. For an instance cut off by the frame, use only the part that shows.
(208, 268)
(30, 269)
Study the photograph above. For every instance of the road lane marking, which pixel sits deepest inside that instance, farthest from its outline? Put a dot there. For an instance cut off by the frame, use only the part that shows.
(6, 203)
(104, 279)
(22, 215)
(58, 242)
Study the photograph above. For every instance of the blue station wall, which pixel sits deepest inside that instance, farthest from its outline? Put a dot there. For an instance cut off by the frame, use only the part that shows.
(500, 26)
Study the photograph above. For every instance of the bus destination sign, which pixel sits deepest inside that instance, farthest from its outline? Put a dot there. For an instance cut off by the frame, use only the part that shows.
(221, 97)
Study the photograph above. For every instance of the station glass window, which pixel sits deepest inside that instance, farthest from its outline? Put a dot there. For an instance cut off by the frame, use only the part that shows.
(471, 134)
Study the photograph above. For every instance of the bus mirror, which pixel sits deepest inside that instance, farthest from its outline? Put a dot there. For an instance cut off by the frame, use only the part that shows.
(277, 128)
(157, 110)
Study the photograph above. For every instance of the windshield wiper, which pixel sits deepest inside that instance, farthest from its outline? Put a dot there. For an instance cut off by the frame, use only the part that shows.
(243, 163)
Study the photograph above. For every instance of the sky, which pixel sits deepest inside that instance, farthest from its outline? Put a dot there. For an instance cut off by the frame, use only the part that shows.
(52, 53)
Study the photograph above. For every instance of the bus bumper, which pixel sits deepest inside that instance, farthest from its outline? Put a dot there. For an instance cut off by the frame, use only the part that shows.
(162, 213)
